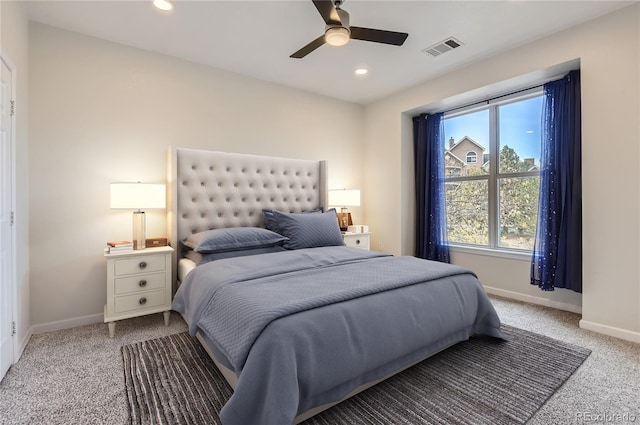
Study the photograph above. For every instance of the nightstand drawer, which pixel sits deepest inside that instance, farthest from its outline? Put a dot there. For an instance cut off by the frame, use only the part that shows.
(356, 240)
(147, 263)
(139, 301)
(141, 282)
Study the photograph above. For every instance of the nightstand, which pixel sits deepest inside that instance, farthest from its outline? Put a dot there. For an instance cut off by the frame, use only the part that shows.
(357, 240)
(138, 283)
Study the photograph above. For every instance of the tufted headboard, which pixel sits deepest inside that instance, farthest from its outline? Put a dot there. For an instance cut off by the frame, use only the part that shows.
(210, 190)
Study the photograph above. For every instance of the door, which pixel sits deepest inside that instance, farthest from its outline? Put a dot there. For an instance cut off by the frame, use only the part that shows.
(7, 283)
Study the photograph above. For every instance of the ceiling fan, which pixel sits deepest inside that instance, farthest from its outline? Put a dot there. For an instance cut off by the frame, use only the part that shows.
(337, 31)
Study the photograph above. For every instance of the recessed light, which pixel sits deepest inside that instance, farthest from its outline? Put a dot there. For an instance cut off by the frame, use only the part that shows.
(163, 5)
(361, 71)
(529, 131)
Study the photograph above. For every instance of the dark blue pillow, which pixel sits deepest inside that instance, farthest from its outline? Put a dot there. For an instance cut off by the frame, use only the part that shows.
(305, 230)
(200, 259)
(271, 222)
(232, 239)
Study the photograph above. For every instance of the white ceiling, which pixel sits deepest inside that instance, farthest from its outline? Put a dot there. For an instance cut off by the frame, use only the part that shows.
(255, 38)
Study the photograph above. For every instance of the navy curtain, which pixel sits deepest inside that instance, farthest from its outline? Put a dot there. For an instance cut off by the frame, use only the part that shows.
(431, 221)
(557, 255)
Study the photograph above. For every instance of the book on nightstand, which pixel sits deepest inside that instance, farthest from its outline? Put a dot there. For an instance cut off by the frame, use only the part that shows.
(119, 246)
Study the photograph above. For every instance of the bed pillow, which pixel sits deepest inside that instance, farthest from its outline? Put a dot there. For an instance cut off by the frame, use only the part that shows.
(271, 221)
(201, 259)
(233, 239)
(305, 230)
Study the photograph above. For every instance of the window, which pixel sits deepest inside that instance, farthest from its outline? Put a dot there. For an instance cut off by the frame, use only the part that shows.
(492, 197)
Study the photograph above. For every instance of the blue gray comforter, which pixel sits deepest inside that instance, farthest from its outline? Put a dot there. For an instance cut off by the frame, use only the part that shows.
(303, 328)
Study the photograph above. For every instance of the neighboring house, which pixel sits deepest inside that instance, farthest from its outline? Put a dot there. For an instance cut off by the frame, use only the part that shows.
(531, 166)
(464, 155)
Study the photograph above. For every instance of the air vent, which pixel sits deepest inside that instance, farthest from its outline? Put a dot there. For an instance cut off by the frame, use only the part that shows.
(443, 47)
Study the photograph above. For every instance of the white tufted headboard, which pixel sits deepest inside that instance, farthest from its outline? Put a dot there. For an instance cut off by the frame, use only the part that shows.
(210, 190)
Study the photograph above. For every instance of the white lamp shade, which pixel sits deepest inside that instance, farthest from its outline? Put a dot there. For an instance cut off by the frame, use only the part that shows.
(344, 198)
(138, 196)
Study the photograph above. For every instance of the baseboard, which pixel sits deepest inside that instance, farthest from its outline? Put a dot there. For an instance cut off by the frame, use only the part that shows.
(533, 300)
(67, 323)
(625, 334)
(611, 331)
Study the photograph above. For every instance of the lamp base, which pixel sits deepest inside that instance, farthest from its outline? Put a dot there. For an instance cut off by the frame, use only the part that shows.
(344, 219)
(139, 225)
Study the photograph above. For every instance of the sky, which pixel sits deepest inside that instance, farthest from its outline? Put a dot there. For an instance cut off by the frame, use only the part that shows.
(520, 127)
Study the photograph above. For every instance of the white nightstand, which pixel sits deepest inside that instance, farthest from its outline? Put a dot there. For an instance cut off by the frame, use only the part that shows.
(357, 240)
(138, 283)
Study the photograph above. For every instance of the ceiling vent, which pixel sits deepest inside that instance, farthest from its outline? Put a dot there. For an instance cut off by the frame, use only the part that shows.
(443, 47)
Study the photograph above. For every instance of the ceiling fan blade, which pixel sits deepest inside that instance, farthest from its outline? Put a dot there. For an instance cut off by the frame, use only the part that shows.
(328, 12)
(309, 48)
(378, 36)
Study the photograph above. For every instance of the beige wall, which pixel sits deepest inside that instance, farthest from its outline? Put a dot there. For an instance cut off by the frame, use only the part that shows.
(610, 115)
(14, 44)
(102, 112)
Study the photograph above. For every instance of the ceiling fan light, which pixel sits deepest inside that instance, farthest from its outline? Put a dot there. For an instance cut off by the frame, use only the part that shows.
(337, 36)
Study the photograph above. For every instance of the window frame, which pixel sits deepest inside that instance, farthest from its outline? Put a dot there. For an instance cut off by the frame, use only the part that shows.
(474, 156)
(493, 177)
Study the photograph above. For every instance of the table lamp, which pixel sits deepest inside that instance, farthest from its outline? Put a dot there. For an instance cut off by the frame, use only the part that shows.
(344, 198)
(138, 196)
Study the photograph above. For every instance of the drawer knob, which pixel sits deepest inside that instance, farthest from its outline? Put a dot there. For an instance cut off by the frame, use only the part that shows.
(142, 283)
(142, 301)
(357, 241)
(142, 265)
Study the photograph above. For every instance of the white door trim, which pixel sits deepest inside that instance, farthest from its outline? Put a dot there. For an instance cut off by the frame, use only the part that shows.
(11, 162)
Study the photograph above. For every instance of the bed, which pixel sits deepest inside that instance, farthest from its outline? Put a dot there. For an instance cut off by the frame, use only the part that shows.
(299, 323)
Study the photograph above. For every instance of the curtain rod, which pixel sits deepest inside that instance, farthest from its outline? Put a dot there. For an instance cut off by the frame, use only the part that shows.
(486, 101)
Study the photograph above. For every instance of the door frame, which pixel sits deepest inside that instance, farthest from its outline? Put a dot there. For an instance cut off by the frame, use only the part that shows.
(11, 163)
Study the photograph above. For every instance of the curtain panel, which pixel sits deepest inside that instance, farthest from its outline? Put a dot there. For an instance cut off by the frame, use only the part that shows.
(431, 221)
(557, 255)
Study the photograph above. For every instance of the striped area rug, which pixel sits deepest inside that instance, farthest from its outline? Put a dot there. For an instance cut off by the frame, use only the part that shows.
(171, 380)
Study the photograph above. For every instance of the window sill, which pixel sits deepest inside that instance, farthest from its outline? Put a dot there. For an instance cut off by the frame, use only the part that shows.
(489, 252)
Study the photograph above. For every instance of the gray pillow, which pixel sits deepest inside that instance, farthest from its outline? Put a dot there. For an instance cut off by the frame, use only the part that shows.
(200, 259)
(232, 239)
(305, 230)
(271, 221)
